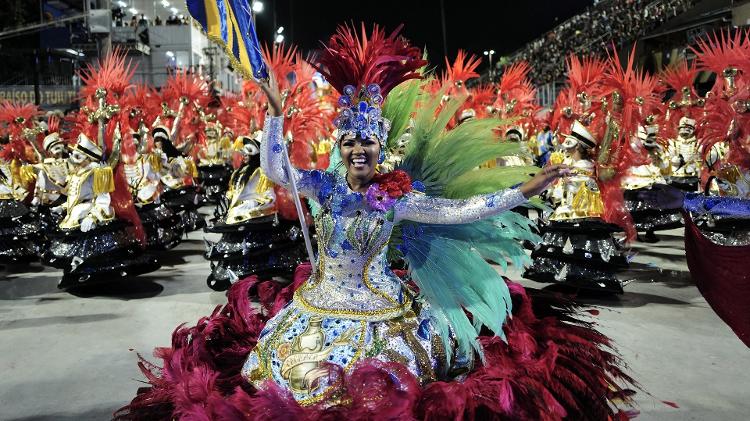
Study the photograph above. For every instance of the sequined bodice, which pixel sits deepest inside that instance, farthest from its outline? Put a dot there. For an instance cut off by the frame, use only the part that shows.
(353, 277)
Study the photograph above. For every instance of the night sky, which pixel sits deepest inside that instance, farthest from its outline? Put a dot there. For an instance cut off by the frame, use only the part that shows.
(475, 26)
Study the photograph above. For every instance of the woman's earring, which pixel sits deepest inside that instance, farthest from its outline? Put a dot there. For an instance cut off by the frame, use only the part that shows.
(381, 157)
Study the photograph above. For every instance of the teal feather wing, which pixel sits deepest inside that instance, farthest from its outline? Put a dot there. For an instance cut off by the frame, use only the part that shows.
(449, 262)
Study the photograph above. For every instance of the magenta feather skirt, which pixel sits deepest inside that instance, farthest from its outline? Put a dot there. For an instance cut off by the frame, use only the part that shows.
(554, 366)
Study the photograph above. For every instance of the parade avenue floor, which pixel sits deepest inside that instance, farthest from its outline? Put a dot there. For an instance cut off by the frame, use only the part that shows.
(73, 357)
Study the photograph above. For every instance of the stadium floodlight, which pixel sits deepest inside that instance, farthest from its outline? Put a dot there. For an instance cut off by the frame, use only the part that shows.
(169, 54)
(174, 10)
(280, 30)
(133, 11)
(279, 39)
(257, 6)
(165, 3)
(122, 3)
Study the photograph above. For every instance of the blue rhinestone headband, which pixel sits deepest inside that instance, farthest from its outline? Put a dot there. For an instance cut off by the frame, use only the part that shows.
(360, 116)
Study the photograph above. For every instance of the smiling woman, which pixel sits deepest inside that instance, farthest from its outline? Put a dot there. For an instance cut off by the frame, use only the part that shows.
(360, 156)
(356, 341)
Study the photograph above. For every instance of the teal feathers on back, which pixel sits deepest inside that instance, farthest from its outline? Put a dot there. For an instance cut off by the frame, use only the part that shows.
(449, 262)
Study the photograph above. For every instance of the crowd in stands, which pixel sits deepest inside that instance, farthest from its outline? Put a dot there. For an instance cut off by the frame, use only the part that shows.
(593, 32)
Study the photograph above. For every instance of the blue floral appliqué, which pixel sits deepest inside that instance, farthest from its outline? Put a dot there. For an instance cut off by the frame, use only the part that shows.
(418, 186)
(489, 201)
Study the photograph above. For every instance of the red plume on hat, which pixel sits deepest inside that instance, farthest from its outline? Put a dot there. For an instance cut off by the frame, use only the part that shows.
(680, 78)
(360, 60)
(113, 74)
(53, 124)
(15, 121)
(457, 74)
(725, 54)
(580, 97)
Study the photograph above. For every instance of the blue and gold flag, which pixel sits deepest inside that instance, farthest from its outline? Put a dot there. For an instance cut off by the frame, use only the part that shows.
(230, 24)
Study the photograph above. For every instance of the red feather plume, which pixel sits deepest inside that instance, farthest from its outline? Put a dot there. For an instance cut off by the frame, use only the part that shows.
(359, 60)
(721, 52)
(679, 78)
(282, 62)
(458, 73)
(16, 117)
(114, 74)
(53, 124)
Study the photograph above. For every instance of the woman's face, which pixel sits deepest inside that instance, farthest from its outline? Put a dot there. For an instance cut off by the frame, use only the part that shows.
(360, 156)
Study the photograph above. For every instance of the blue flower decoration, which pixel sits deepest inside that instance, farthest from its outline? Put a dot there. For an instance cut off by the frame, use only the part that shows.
(418, 186)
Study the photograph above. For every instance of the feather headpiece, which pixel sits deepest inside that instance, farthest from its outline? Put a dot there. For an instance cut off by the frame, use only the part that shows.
(18, 119)
(516, 97)
(726, 55)
(680, 79)
(457, 74)
(20, 126)
(364, 70)
(112, 75)
(186, 87)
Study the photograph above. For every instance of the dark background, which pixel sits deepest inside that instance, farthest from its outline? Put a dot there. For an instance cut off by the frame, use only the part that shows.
(474, 26)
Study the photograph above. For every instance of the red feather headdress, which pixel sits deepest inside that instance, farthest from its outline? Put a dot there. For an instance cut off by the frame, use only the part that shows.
(726, 55)
(458, 73)
(516, 96)
(364, 70)
(17, 118)
(53, 124)
(579, 99)
(680, 79)
(18, 122)
(359, 61)
(112, 74)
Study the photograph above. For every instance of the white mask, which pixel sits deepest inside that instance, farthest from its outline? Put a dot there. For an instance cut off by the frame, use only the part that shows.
(77, 157)
(569, 143)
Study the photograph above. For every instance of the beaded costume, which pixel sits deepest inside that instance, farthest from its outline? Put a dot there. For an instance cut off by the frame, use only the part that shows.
(355, 340)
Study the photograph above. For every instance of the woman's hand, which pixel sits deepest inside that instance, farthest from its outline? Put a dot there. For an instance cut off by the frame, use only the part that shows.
(543, 179)
(271, 89)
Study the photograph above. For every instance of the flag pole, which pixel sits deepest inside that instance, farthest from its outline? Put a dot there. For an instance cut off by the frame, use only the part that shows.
(260, 72)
